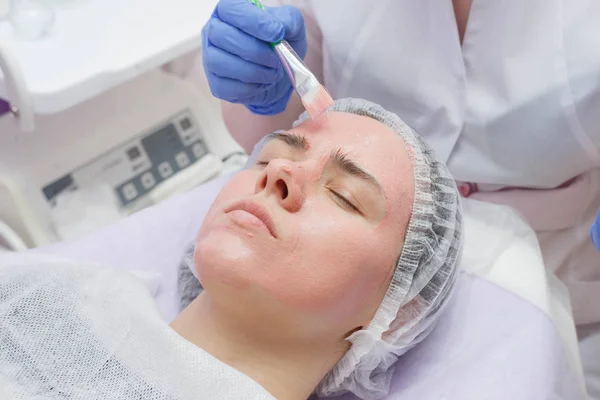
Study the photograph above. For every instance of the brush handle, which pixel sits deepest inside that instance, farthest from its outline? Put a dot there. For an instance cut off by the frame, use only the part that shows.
(300, 76)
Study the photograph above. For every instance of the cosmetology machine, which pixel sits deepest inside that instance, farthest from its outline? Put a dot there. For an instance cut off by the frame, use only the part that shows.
(97, 127)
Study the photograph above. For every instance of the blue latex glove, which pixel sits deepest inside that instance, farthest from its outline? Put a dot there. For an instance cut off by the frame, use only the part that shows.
(240, 65)
(596, 231)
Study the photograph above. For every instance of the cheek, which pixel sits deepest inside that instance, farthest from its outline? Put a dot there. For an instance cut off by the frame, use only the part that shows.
(337, 266)
(241, 185)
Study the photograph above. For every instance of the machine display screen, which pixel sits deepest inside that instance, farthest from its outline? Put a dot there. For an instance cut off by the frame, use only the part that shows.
(137, 167)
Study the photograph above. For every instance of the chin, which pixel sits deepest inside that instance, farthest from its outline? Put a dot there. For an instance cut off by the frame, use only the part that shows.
(229, 281)
(224, 259)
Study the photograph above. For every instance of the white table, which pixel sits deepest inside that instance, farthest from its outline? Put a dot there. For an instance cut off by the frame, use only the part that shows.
(98, 44)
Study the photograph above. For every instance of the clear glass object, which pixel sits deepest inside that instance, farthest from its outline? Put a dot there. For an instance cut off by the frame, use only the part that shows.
(55, 2)
(31, 19)
(4, 9)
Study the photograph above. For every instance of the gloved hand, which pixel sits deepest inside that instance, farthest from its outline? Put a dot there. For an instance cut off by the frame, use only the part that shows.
(240, 65)
(596, 231)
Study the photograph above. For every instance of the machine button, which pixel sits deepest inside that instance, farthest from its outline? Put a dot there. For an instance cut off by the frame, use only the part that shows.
(182, 159)
(129, 191)
(148, 180)
(165, 170)
(185, 124)
(199, 150)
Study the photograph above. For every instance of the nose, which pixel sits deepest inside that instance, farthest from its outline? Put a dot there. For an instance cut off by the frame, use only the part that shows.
(285, 180)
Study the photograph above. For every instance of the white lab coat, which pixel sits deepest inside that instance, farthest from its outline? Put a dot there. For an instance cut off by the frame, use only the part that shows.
(516, 106)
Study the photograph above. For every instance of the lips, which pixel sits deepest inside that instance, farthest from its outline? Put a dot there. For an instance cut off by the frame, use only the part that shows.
(256, 209)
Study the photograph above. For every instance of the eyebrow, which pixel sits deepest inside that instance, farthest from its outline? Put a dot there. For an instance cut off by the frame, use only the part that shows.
(293, 140)
(346, 164)
(340, 159)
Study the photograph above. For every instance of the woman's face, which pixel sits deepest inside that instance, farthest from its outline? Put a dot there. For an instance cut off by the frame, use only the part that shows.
(305, 241)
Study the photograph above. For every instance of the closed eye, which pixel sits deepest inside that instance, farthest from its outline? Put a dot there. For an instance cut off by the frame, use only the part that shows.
(347, 203)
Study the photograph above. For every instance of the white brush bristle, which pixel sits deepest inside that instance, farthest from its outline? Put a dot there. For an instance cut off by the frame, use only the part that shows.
(316, 101)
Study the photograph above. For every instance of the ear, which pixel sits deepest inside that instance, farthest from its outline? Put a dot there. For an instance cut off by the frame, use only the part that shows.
(407, 313)
(358, 328)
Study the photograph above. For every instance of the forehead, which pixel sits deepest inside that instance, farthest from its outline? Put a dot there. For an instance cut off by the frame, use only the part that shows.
(375, 146)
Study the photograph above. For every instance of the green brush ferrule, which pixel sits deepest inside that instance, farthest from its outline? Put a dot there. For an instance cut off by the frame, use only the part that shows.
(258, 4)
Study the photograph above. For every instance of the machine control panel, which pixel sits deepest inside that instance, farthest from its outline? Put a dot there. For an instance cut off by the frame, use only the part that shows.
(134, 168)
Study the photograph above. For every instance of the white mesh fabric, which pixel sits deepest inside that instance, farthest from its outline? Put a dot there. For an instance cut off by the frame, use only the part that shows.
(424, 276)
(71, 331)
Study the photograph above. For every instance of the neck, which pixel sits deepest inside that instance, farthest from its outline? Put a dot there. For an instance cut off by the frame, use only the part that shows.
(288, 370)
